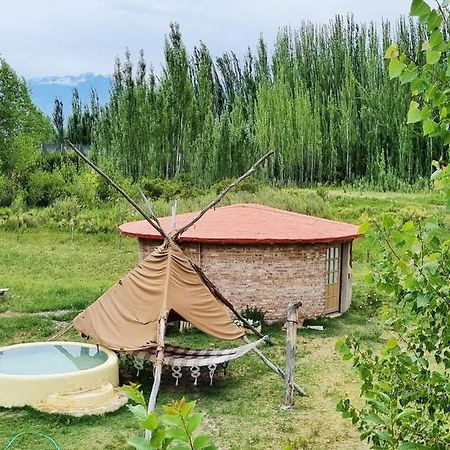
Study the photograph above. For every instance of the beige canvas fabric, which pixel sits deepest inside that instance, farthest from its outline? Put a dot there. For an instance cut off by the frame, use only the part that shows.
(126, 316)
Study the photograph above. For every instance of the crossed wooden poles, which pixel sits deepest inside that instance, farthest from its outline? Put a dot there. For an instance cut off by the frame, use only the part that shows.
(152, 219)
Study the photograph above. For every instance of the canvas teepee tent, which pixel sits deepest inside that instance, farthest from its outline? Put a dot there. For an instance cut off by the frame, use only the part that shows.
(126, 317)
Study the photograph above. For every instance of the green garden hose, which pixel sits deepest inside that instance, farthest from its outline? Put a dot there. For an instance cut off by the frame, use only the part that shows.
(42, 435)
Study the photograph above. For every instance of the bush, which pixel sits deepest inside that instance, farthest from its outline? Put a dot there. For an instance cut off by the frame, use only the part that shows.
(6, 191)
(253, 314)
(56, 160)
(248, 185)
(169, 189)
(44, 188)
(86, 188)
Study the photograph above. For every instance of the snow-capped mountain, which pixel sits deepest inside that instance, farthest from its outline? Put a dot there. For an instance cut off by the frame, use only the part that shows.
(45, 90)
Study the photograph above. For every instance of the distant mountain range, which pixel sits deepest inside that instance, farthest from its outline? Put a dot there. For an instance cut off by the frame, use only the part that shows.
(45, 90)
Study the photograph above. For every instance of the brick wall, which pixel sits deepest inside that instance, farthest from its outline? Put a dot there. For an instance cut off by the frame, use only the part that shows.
(267, 276)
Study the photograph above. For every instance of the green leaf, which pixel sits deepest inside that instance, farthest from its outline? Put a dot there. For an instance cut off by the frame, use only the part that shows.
(396, 67)
(409, 75)
(193, 422)
(419, 8)
(436, 38)
(373, 418)
(434, 21)
(422, 300)
(171, 420)
(138, 411)
(391, 343)
(388, 221)
(429, 127)
(364, 227)
(202, 440)
(187, 408)
(178, 434)
(432, 56)
(437, 174)
(134, 393)
(151, 422)
(339, 344)
(408, 226)
(408, 412)
(414, 113)
(158, 438)
(140, 443)
(383, 436)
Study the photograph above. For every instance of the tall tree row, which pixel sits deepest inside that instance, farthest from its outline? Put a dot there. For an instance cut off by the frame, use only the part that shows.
(322, 100)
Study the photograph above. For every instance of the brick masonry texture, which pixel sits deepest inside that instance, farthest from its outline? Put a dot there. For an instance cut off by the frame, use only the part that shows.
(267, 276)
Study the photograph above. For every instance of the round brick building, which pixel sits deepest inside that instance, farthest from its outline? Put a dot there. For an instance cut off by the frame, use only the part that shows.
(266, 257)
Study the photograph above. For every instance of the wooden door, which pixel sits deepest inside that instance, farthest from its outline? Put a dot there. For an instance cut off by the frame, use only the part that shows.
(333, 280)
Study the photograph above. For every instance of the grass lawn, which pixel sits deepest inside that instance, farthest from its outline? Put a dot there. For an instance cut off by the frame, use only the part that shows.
(48, 270)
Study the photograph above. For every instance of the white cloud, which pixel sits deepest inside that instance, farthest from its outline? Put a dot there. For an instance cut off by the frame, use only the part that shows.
(60, 37)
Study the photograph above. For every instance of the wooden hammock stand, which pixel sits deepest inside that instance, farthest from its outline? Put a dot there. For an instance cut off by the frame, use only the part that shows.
(152, 219)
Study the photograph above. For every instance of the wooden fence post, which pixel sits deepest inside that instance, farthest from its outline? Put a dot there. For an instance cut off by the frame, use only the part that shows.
(291, 341)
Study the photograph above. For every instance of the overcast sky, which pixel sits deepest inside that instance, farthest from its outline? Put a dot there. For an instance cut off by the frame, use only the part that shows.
(68, 37)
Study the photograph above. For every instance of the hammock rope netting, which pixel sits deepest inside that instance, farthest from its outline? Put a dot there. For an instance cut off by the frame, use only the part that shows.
(194, 359)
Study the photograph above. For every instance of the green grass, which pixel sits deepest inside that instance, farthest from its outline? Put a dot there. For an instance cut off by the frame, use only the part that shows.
(51, 270)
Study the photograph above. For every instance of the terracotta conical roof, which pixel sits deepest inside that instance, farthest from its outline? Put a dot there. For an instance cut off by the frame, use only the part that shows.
(250, 224)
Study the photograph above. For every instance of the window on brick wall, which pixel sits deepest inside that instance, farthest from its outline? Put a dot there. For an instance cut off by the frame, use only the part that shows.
(332, 292)
(332, 267)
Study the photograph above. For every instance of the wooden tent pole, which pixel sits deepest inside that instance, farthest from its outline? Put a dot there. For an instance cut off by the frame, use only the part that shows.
(150, 208)
(150, 220)
(222, 194)
(291, 341)
(61, 332)
(274, 367)
(159, 357)
(217, 294)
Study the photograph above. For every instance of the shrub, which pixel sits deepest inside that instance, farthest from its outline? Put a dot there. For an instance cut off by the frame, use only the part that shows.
(169, 189)
(172, 430)
(44, 188)
(253, 314)
(85, 188)
(248, 185)
(6, 191)
(56, 160)
(321, 191)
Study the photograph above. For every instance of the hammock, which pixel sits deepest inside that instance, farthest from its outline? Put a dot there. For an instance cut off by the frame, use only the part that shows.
(188, 357)
(179, 357)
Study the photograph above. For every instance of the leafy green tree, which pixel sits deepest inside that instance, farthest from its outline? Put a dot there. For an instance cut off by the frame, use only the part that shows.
(58, 120)
(406, 386)
(22, 126)
(428, 77)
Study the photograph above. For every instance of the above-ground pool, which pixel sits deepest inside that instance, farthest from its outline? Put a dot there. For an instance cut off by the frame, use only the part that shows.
(59, 377)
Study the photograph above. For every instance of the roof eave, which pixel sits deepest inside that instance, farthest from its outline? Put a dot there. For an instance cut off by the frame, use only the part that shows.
(247, 241)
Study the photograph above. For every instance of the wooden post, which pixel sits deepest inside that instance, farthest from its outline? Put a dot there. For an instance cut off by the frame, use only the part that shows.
(157, 371)
(291, 341)
(274, 367)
